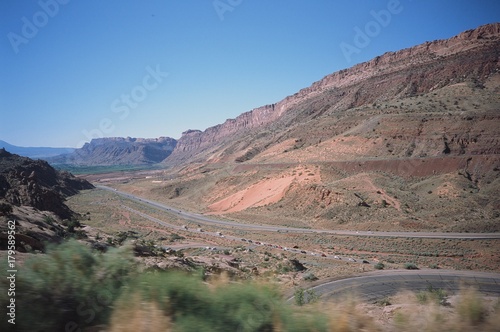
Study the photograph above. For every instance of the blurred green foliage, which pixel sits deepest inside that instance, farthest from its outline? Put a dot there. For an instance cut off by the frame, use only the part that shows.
(193, 305)
(72, 287)
(435, 295)
(71, 284)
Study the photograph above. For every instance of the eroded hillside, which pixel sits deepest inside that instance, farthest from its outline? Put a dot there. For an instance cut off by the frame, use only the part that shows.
(408, 141)
(33, 195)
(349, 98)
(429, 161)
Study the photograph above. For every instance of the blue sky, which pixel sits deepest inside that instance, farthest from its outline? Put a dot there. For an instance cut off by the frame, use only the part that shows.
(72, 70)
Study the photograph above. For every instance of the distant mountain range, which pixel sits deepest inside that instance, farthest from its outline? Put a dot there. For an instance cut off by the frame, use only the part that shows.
(121, 151)
(108, 151)
(34, 152)
(322, 112)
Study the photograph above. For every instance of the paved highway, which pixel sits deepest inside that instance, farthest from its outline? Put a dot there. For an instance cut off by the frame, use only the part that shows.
(380, 284)
(206, 220)
(371, 286)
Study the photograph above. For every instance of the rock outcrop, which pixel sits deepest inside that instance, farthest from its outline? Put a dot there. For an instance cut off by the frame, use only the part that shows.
(471, 56)
(34, 183)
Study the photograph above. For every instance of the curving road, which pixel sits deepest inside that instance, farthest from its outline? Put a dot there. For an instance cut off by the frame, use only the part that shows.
(378, 285)
(371, 286)
(206, 220)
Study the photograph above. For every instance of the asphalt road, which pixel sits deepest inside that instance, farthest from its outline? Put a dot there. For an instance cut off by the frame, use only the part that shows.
(378, 285)
(371, 286)
(207, 220)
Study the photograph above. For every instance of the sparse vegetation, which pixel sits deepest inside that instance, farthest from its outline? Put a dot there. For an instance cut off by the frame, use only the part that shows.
(411, 266)
(384, 302)
(76, 286)
(229, 306)
(302, 296)
(72, 224)
(309, 276)
(175, 237)
(298, 296)
(49, 220)
(71, 284)
(437, 296)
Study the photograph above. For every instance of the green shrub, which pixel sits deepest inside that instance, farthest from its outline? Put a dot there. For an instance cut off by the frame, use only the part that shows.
(309, 276)
(282, 269)
(411, 266)
(174, 237)
(70, 286)
(191, 305)
(379, 266)
(71, 226)
(312, 296)
(49, 220)
(436, 295)
(303, 296)
(299, 296)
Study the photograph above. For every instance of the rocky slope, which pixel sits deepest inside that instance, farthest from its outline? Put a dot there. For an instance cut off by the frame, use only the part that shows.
(32, 195)
(471, 57)
(119, 151)
(34, 183)
(406, 141)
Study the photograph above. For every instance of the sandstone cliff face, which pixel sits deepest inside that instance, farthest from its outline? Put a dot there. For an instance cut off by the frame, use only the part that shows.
(119, 151)
(473, 55)
(195, 141)
(34, 183)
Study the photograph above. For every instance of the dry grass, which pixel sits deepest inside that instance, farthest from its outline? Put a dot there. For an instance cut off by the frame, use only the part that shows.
(349, 316)
(137, 315)
(466, 311)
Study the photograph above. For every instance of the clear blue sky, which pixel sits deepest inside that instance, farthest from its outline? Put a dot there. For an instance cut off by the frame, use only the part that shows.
(72, 70)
